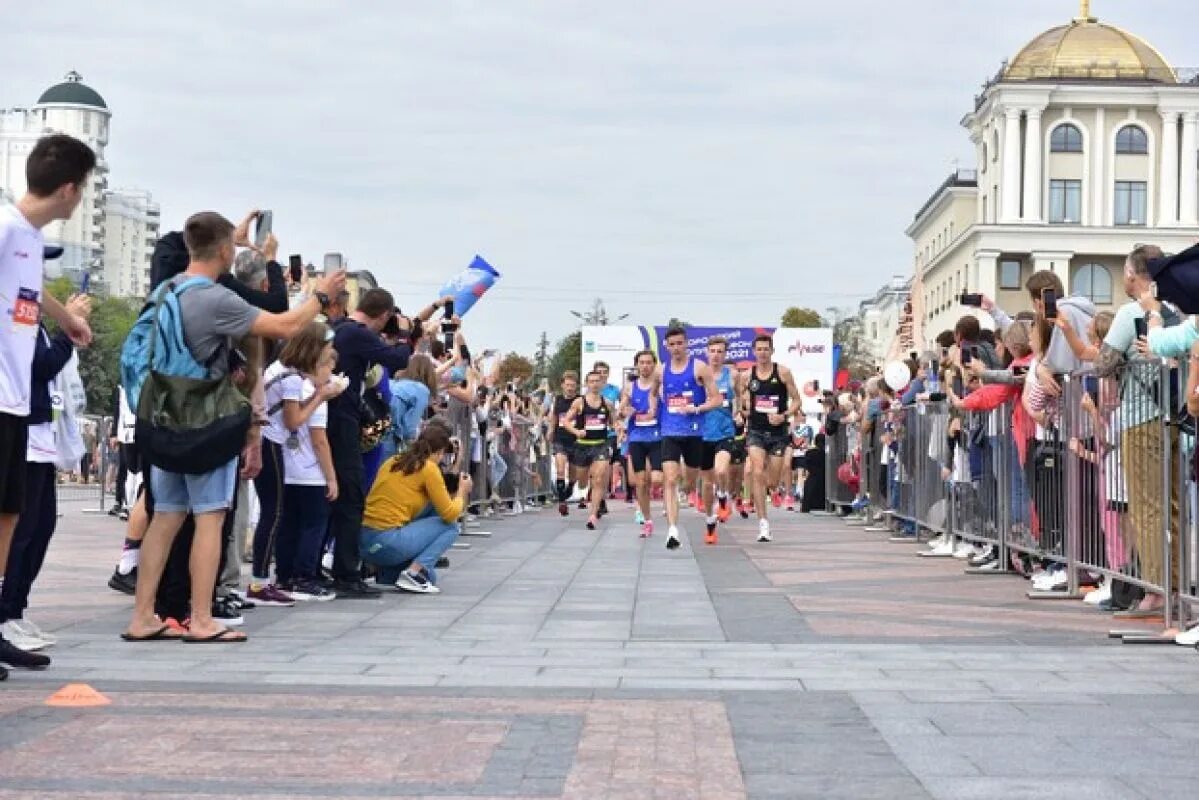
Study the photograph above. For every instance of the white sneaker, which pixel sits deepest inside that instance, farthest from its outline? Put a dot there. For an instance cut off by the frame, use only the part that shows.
(672, 538)
(964, 550)
(1189, 637)
(945, 548)
(33, 629)
(764, 530)
(936, 541)
(1101, 593)
(19, 639)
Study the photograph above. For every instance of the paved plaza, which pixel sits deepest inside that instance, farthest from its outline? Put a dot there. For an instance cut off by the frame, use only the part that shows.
(561, 663)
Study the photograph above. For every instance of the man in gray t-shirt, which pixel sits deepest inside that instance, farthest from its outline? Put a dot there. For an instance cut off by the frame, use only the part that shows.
(212, 317)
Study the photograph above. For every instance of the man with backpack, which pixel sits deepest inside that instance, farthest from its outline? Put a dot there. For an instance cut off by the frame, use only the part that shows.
(55, 173)
(193, 425)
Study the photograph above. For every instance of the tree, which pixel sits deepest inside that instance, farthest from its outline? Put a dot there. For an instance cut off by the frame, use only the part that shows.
(796, 317)
(567, 357)
(514, 368)
(541, 359)
(675, 322)
(99, 364)
(854, 356)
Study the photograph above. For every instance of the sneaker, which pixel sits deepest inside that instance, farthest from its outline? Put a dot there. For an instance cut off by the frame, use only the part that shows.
(603, 508)
(723, 510)
(1101, 593)
(990, 566)
(710, 536)
(790, 503)
(764, 531)
(582, 505)
(776, 499)
(33, 629)
(744, 510)
(936, 541)
(116, 509)
(416, 583)
(16, 657)
(355, 590)
(945, 548)
(647, 529)
(125, 584)
(964, 550)
(638, 518)
(20, 638)
(1189, 637)
(308, 592)
(443, 563)
(592, 521)
(270, 596)
(672, 538)
(226, 613)
(987, 555)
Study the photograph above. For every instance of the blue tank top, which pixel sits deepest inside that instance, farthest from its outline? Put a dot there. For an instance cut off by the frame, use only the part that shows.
(643, 427)
(718, 423)
(678, 390)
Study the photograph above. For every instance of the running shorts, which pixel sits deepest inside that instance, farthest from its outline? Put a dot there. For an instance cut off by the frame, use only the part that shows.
(710, 451)
(775, 443)
(686, 449)
(641, 453)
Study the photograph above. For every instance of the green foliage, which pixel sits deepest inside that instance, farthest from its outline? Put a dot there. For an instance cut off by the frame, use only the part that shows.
(796, 317)
(675, 322)
(514, 368)
(99, 365)
(854, 357)
(541, 360)
(567, 357)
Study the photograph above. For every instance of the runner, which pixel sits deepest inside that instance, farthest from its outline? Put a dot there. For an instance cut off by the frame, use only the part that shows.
(688, 391)
(639, 405)
(592, 450)
(801, 439)
(719, 433)
(770, 398)
(737, 463)
(611, 393)
(563, 440)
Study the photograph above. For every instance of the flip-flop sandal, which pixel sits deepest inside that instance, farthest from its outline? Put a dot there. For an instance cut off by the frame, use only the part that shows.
(165, 633)
(223, 636)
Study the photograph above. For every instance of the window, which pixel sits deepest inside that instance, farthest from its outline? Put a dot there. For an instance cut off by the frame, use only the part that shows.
(1131, 140)
(1009, 275)
(1130, 202)
(1065, 201)
(1066, 139)
(1093, 281)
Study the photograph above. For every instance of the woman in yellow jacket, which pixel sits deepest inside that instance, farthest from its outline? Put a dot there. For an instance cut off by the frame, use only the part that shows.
(411, 518)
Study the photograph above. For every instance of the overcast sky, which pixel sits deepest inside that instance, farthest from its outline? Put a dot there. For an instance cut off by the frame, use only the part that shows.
(715, 161)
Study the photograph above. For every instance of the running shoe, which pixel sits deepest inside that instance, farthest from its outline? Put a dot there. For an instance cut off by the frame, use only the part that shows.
(271, 596)
(308, 592)
(741, 509)
(710, 536)
(672, 538)
(693, 499)
(417, 583)
(777, 498)
(639, 518)
(603, 508)
(790, 502)
(647, 529)
(125, 584)
(592, 522)
(764, 531)
(563, 509)
(226, 613)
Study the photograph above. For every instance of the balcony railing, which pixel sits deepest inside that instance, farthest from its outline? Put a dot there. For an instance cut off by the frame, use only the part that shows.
(1092, 72)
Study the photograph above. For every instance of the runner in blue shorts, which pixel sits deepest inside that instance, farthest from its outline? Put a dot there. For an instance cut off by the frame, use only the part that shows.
(639, 405)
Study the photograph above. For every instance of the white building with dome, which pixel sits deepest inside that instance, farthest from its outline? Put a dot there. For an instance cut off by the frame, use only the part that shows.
(72, 107)
(1087, 144)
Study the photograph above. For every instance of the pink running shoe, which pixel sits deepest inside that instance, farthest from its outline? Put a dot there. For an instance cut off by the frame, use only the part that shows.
(647, 530)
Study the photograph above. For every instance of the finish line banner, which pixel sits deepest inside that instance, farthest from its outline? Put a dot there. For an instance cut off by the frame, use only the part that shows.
(807, 351)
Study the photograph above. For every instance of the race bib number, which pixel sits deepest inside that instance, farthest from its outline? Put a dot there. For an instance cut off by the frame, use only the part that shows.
(26, 309)
(726, 401)
(766, 404)
(677, 402)
(595, 422)
(644, 420)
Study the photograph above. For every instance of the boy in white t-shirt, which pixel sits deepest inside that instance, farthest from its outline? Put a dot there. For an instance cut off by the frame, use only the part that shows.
(55, 173)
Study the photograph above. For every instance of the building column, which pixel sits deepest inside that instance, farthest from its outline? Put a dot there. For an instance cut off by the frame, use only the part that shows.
(1057, 262)
(986, 278)
(1032, 166)
(1189, 191)
(1167, 205)
(1010, 201)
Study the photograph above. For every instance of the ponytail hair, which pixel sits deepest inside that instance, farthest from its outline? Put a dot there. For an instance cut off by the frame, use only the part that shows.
(432, 439)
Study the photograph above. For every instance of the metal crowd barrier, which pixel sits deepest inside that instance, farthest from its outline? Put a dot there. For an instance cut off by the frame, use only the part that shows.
(1100, 482)
(837, 453)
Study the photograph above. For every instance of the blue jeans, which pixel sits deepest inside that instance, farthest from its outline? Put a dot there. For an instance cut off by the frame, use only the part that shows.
(422, 540)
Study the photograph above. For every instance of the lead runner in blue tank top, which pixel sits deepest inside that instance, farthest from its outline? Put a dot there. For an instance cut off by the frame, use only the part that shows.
(641, 409)
(719, 434)
(687, 391)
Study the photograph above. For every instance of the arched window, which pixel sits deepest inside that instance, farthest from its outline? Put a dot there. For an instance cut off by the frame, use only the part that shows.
(1066, 139)
(1131, 140)
(1093, 281)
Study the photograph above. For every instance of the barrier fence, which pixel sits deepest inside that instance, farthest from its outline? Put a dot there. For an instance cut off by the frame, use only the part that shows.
(90, 486)
(1097, 481)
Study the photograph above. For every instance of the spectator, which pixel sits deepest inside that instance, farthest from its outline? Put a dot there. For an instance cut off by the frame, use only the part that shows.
(411, 519)
(212, 318)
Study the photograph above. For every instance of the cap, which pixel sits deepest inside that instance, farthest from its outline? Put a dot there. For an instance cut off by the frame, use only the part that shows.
(49, 253)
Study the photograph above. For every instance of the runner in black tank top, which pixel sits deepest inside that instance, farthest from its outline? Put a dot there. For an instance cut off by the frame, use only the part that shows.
(591, 417)
(564, 441)
(770, 400)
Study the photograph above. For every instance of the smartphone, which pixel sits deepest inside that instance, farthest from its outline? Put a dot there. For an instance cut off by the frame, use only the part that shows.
(262, 227)
(913, 356)
(1142, 326)
(936, 397)
(85, 281)
(333, 262)
(448, 311)
(1090, 385)
(1049, 298)
(973, 300)
(295, 268)
(815, 386)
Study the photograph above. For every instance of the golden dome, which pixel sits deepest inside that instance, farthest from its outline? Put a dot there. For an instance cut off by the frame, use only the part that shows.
(1089, 49)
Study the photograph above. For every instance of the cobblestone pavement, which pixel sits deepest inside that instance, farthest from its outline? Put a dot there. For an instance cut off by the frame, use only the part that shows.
(562, 663)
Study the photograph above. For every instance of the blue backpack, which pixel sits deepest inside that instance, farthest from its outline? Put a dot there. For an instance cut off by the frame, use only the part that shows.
(187, 422)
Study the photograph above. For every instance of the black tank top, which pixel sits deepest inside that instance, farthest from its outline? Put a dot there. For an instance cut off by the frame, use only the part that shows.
(767, 397)
(562, 414)
(596, 423)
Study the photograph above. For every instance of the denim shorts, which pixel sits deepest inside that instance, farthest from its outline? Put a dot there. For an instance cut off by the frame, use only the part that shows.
(199, 494)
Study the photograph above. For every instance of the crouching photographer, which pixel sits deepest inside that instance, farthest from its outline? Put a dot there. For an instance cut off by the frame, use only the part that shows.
(412, 512)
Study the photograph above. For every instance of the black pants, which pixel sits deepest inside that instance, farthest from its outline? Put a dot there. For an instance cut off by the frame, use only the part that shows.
(174, 590)
(30, 540)
(345, 523)
(269, 486)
